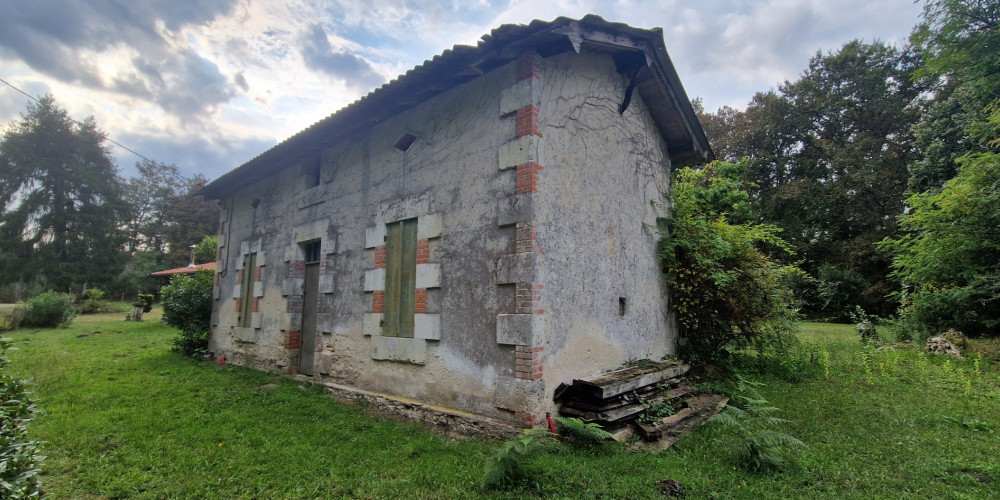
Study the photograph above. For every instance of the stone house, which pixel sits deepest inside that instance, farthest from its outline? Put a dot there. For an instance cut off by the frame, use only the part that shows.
(471, 234)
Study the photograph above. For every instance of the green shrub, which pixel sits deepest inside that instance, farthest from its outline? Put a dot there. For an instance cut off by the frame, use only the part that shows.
(187, 306)
(92, 301)
(11, 320)
(19, 458)
(50, 309)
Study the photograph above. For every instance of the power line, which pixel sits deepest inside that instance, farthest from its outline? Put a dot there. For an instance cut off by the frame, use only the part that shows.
(112, 141)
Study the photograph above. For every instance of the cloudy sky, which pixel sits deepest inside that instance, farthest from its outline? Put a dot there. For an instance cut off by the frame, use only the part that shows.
(208, 84)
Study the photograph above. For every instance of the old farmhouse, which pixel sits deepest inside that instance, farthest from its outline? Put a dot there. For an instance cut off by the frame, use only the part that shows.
(471, 234)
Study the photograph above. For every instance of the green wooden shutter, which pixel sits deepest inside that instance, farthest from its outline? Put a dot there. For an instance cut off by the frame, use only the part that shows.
(246, 288)
(400, 278)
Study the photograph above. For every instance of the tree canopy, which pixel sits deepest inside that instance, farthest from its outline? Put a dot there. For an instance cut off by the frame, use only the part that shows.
(827, 162)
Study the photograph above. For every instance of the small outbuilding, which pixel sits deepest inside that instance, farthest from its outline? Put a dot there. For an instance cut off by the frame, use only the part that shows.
(471, 234)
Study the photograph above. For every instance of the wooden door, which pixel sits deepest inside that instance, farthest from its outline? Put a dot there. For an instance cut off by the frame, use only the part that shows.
(310, 302)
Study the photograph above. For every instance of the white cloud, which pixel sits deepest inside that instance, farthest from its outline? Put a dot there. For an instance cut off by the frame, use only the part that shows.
(202, 86)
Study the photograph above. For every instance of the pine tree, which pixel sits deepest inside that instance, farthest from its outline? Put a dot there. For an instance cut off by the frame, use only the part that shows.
(61, 201)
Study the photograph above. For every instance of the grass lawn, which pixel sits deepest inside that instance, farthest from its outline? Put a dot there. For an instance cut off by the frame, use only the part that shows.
(123, 417)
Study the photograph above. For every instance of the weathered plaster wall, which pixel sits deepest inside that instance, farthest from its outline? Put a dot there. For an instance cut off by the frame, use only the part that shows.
(449, 170)
(595, 219)
(599, 172)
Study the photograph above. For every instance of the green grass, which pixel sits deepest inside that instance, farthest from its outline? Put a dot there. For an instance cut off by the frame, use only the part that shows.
(123, 417)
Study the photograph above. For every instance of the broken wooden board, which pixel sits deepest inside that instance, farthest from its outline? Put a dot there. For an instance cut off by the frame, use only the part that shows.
(664, 433)
(617, 410)
(611, 384)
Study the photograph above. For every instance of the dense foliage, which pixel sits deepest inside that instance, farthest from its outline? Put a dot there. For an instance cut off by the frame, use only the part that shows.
(92, 301)
(204, 250)
(19, 458)
(50, 309)
(726, 292)
(187, 306)
(949, 261)
(827, 163)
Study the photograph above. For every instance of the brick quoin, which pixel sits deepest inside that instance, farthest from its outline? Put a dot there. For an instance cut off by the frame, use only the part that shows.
(420, 300)
(528, 362)
(218, 252)
(527, 121)
(380, 257)
(255, 304)
(378, 301)
(526, 237)
(256, 273)
(294, 304)
(423, 251)
(528, 65)
(300, 265)
(527, 178)
(239, 276)
(215, 279)
(293, 339)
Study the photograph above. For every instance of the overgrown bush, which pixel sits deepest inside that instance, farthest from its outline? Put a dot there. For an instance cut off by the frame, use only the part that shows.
(187, 306)
(50, 309)
(725, 289)
(92, 301)
(19, 458)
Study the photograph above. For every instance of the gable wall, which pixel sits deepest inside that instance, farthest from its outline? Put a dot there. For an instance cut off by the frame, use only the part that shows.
(596, 225)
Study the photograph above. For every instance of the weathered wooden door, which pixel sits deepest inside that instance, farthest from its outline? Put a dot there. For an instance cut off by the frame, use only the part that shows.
(310, 304)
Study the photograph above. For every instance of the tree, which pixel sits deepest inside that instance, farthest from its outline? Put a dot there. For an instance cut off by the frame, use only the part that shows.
(205, 250)
(959, 41)
(827, 162)
(149, 196)
(189, 218)
(61, 201)
(949, 261)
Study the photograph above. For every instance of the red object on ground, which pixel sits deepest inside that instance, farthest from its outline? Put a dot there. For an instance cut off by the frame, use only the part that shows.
(222, 360)
(552, 427)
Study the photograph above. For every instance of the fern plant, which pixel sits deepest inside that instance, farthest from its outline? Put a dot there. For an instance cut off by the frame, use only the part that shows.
(505, 469)
(749, 426)
(581, 433)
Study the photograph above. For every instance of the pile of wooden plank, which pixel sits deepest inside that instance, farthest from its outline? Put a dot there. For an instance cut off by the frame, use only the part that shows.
(619, 398)
(614, 399)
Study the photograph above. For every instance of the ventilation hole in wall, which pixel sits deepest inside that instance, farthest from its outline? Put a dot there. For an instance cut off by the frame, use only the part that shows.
(404, 142)
(621, 306)
(255, 203)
